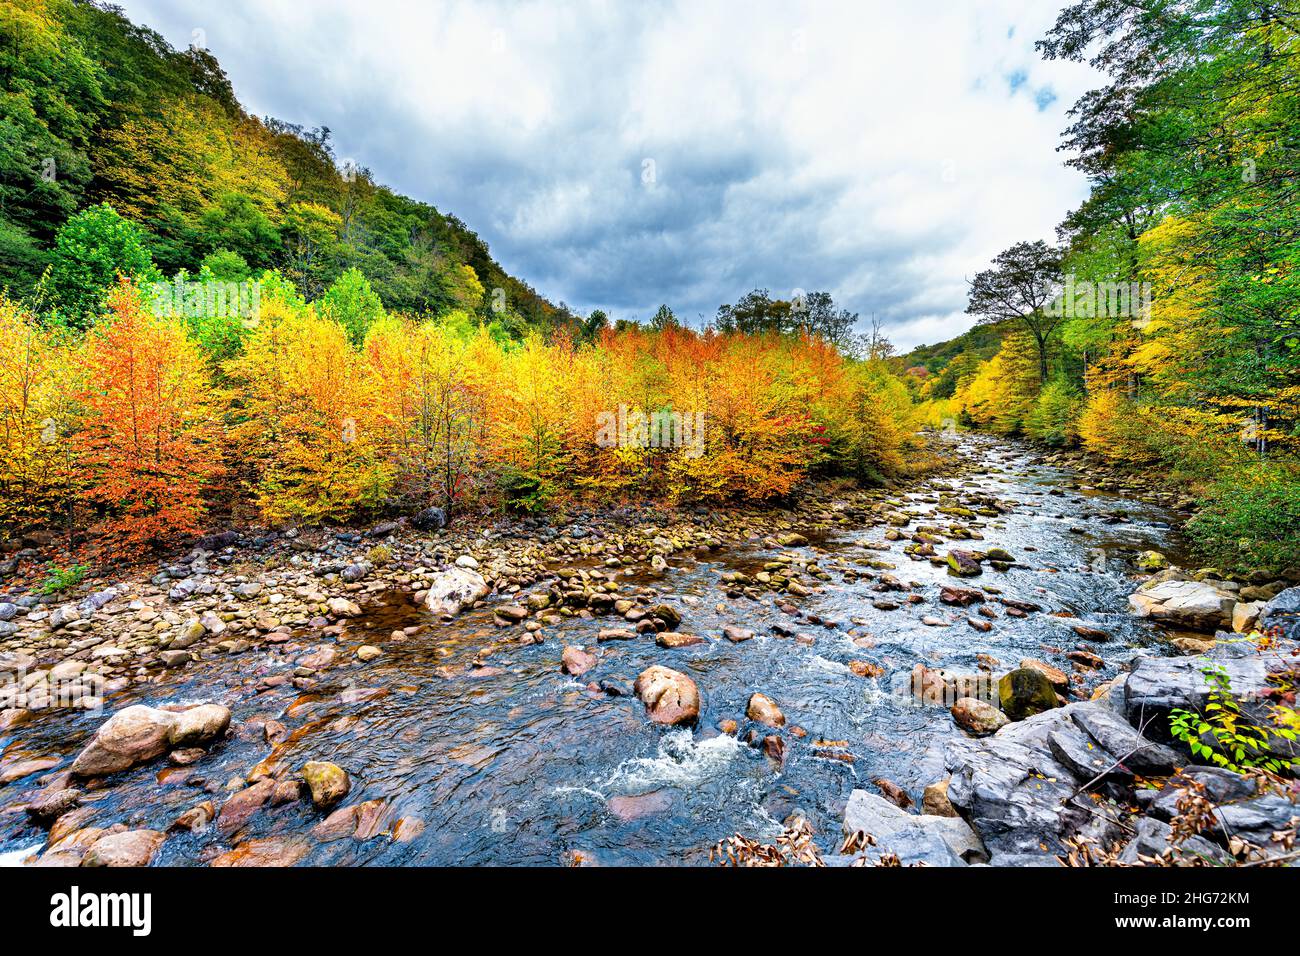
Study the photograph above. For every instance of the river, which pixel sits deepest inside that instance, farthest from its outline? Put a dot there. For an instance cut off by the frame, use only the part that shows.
(526, 765)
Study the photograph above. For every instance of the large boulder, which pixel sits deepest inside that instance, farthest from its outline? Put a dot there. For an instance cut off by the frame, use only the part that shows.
(1117, 737)
(453, 589)
(1283, 613)
(1158, 685)
(933, 840)
(1193, 605)
(1017, 797)
(670, 697)
(1025, 692)
(131, 736)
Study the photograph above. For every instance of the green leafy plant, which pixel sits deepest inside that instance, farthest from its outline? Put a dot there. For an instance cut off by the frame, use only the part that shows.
(1223, 735)
(61, 579)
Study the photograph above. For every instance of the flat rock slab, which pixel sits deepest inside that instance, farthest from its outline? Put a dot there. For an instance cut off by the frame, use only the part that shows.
(914, 838)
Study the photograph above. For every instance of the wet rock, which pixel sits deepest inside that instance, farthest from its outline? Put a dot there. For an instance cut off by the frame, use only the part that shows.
(130, 848)
(196, 818)
(792, 540)
(576, 662)
(669, 696)
(452, 590)
(328, 782)
(49, 805)
(960, 597)
(1193, 605)
(1151, 561)
(1091, 633)
(1058, 678)
(641, 805)
(675, 639)
(934, 800)
(615, 634)
(242, 805)
(893, 793)
(270, 851)
(932, 840)
(198, 725)
(1025, 692)
(368, 652)
(963, 564)
(774, 747)
(978, 716)
(668, 614)
(737, 634)
(131, 736)
(764, 710)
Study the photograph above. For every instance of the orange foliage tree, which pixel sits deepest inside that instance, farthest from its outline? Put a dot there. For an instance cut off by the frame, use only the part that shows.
(150, 441)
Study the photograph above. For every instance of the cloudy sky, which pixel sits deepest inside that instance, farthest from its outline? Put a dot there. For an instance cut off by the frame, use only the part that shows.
(623, 154)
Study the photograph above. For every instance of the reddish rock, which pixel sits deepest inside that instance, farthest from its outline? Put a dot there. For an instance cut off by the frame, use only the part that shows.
(669, 696)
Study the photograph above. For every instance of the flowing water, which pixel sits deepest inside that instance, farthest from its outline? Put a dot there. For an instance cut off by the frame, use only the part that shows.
(518, 763)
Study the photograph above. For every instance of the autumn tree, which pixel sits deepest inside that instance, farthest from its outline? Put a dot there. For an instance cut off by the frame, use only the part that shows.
(151, 432)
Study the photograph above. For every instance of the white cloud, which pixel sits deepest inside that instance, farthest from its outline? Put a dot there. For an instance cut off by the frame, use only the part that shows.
(882, 151)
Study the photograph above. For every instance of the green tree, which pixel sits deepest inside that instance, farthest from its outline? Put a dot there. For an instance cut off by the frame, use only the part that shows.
(91, 251)
(352, 303)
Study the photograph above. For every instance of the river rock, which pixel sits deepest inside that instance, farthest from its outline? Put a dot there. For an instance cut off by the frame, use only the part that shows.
(1246, 615)
(242, 805)
(1151, 561)
(328, 782)
(669, 696)
(49, 805)
(932, 840)
(131, 736)
(978, 716)
(453, 589)
(1194, 605)
(764, 710)
(963, 564)
(199, 725)
(576, 662)
(675, 639)
(960, 597)
(1025, 692)
(129, 848)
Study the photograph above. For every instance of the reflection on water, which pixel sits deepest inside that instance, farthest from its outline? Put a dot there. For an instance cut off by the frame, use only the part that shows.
(524, 764)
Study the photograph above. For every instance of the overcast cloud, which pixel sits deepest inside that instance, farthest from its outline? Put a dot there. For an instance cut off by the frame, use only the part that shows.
(619, 155)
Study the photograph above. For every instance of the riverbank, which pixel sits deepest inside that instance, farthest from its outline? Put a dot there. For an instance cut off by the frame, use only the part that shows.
(516, 731)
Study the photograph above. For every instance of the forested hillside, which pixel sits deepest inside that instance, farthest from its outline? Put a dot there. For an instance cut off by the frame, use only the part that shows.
(95, 109)
(1163, 332)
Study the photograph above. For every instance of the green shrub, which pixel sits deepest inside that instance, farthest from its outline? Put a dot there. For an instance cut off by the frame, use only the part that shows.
(1055, 414)
(1251, 520)
(61, 579)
